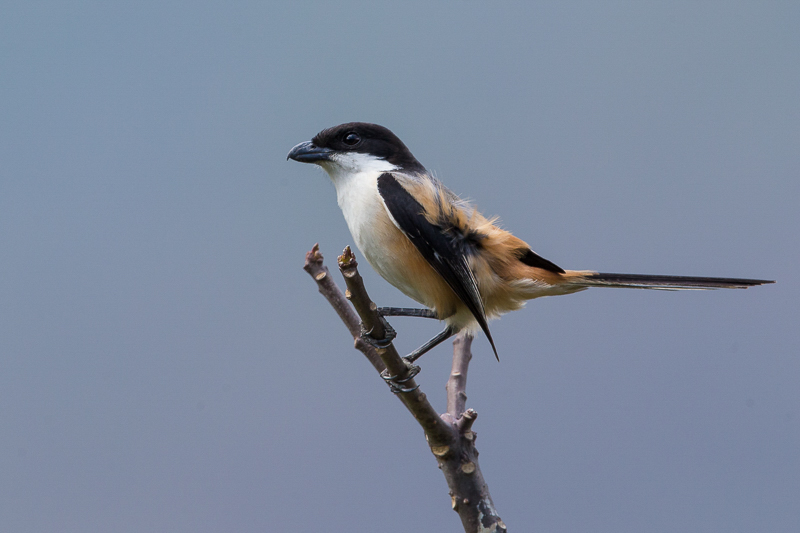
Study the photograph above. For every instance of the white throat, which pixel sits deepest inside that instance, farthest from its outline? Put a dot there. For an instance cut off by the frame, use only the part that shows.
(355, 177)
(343, 165)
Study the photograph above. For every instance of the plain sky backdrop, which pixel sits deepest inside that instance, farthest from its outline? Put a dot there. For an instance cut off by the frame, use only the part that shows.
(166, 365)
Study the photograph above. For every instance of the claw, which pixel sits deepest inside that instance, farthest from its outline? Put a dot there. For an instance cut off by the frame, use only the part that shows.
(397, 385)
(383, 343)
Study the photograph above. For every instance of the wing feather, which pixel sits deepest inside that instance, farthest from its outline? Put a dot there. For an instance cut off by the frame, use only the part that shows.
(445, 253)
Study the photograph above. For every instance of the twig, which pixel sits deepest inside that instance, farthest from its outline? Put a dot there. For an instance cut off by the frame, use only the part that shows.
(338, 301)
(436, 430)
(457, 384)
(469, 493)
(450, 435)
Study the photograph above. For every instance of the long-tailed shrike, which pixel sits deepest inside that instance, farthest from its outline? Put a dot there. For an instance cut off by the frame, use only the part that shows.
(437, 248)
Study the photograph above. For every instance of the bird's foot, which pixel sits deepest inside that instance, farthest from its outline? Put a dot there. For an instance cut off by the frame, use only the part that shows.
(379, 344)
(396, 383)
(399, 385)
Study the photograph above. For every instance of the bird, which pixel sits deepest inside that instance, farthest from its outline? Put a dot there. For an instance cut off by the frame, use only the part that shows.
(437, 248)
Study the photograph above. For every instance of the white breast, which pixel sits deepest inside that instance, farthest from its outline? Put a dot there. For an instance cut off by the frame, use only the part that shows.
(355, 177)
(361, 205)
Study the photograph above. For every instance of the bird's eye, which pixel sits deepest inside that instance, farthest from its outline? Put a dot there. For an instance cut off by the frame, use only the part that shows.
(352, 138)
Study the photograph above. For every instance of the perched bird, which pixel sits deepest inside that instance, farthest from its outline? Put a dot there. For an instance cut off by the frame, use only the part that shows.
(437, 248)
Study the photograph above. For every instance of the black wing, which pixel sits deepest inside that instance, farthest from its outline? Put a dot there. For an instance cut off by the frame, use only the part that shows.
(446, 253)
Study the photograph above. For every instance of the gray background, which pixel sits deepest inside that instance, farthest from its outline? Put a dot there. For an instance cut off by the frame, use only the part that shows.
(166, 365)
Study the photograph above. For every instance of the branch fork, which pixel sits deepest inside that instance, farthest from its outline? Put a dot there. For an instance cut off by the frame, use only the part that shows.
(450, 434)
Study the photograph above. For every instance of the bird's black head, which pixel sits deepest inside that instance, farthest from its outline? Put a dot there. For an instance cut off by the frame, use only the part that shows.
(357, 137)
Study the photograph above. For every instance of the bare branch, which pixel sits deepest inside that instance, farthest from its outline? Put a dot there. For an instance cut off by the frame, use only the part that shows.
(436, 430)
(450, 435)
(464, 423)
(469, 494)
(314, 266)
(457, 384)
(468, 491)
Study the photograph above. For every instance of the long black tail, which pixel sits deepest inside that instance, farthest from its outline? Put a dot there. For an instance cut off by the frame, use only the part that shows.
(647, 281)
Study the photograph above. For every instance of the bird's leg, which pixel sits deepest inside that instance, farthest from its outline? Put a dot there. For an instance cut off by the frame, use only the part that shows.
(407, 311)
(397, 385)
(445, 334)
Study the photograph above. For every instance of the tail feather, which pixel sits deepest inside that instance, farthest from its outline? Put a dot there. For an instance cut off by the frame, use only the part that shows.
(648, 281)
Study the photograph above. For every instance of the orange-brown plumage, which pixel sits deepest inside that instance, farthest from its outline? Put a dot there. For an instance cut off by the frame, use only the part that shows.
(504, 282)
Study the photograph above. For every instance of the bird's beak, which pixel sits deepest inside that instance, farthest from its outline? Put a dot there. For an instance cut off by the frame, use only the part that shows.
(306, 152)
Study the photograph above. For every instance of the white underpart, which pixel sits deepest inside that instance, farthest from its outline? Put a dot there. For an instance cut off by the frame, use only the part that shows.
(355, 177)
